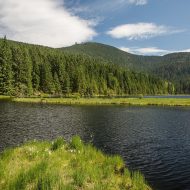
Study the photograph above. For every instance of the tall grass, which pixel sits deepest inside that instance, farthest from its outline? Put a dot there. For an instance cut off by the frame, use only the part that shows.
(109, 101)
(70, 166)
(138, 101)
(5, 97)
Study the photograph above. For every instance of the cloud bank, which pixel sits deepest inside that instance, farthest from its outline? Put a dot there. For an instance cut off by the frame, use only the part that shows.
(140, 31)
(138, 2)
(45, 22)
(150, 50)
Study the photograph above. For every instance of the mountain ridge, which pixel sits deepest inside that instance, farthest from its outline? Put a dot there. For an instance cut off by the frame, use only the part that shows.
(174, 67)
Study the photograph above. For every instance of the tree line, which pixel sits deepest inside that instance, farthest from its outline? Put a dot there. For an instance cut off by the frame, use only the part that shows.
(27, 70)
(174, 67)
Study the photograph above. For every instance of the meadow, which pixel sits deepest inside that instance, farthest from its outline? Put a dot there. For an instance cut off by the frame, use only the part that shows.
(66, 166)
(105, 101)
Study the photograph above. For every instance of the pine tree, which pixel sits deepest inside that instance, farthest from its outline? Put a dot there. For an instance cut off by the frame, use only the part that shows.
(36, 61)
(46, 79)
(6, 75)
(22, 66)
(66, 84)
(57, 84)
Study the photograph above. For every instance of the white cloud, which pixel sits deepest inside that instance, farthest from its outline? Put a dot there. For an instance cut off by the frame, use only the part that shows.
(150, 50)
(145, 51)
(44, 22)
(132, 2)
(100, 8)
(138, 2)
(185, 50)
(140, 31)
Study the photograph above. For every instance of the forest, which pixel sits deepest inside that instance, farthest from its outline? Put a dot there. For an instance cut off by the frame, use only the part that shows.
(28, 70)
(174, 67)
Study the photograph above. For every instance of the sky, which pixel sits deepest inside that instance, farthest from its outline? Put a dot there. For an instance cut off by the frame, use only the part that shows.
(146, 27)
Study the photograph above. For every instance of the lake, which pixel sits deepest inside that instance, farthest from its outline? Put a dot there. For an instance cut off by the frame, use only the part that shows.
(154, 140)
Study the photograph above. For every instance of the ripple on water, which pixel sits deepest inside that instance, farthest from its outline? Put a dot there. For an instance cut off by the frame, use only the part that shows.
(154, 140)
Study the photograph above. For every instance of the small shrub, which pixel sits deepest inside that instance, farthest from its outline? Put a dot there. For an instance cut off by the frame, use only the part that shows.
(118, 164)
(58, 143)
(76, 143)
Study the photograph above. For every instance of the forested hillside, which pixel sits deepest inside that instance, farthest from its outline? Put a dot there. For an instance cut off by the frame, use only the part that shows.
(176, 68)
(116, 56)
(33, 70)
(172, 67)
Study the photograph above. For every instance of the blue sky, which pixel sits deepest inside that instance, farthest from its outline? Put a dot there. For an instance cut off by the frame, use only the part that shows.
(173, 14)
(149, 27)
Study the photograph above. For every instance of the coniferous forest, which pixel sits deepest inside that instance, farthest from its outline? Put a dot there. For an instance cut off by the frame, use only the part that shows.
(34, 70)
(174, 67)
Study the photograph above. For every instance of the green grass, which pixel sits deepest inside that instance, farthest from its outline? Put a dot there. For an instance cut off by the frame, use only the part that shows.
(109, 101)
(4, 97)
(65, 166)
(104, 101)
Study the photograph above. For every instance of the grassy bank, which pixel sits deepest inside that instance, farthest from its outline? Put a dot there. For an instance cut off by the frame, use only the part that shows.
(4, 97)
(109, 101)
(65, 166)
(105, 101)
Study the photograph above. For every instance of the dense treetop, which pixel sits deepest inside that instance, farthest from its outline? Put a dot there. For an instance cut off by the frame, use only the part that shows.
(172, 67)
(33, 70)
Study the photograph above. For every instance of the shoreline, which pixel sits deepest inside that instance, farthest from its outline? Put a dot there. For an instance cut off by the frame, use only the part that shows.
(62, 165)
(104, 101)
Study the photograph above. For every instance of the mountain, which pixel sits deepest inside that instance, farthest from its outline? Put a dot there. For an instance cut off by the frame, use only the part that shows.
(173, 67)
(115, 55)
(33, 70)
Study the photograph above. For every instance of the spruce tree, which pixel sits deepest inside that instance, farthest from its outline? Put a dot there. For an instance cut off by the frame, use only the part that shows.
(46, 79)
(6, 75)
(57, 84)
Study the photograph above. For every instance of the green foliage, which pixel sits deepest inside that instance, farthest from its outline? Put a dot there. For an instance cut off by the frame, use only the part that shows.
(6, 74)
(139, 101)
(57, 143)
(27, 70)
(138, 180)
(76, 143)
(79, 178)
(172, 67)
(36, 165)
(33, 174)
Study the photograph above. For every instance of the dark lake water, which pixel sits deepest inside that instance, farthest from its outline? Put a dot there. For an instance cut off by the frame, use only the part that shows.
(154, 140)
